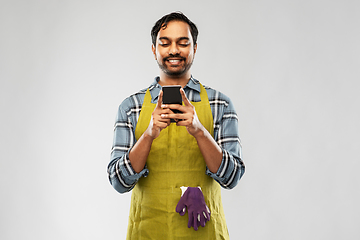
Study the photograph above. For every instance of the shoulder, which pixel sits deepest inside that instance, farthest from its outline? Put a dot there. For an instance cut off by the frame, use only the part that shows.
(133, 101)
(217, 97)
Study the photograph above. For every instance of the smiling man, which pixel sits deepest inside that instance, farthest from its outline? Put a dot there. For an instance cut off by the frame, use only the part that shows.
(176, 168)
(172, 40)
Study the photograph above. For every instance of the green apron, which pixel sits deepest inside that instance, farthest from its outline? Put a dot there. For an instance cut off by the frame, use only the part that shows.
(174, 160)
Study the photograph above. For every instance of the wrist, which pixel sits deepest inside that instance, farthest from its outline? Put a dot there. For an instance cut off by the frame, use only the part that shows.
(148, 136)
(200, 133)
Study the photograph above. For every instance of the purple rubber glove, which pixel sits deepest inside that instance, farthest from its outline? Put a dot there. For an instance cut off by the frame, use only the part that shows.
(192, 198)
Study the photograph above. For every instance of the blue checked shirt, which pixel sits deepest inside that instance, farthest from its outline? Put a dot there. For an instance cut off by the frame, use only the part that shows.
(121, 174)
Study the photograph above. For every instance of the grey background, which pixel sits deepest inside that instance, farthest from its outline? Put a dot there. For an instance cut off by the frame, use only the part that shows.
(290, 67)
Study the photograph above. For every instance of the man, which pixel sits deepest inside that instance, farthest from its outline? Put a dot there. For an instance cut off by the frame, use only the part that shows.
(155, 157)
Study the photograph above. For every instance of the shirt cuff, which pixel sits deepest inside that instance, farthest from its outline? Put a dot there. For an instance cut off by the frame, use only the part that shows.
(129, 174)
(219, 175)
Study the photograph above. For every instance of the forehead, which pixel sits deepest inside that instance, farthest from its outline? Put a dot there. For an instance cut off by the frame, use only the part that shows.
(175, 30)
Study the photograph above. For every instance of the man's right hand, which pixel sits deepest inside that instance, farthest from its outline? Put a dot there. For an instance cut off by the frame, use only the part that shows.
(157, 121)
(140, 151)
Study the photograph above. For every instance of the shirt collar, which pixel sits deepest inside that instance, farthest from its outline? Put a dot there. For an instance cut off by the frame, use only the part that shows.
(193, 84)
(155, 87)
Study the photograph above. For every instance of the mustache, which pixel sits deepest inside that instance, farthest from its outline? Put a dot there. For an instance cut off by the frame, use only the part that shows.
(172, 56)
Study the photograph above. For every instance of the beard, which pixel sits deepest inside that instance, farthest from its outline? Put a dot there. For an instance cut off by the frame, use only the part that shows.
(174, 73)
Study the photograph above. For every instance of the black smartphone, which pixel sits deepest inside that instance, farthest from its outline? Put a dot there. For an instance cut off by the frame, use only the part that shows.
(172, 95)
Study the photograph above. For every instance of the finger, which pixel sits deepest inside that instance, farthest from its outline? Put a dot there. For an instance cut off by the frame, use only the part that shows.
(159, 102)
(162, 123)
(191, 219)
(180, 206)
(181, 209)
(182, 213)
(196, 223)
(184, 98)
(166, 114)
(176, 116)
(184, 122)
(171, 106)
(202, 220)
(206, 216)
(162, 116)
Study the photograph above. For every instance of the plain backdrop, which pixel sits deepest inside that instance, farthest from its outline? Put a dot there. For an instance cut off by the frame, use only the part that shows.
(290, 67)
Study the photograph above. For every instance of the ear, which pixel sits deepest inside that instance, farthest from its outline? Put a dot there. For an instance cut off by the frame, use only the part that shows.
(153, 49)
(195, 48)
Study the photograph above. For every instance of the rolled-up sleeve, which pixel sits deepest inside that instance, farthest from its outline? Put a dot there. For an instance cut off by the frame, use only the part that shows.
(226, 135)
(121, 174)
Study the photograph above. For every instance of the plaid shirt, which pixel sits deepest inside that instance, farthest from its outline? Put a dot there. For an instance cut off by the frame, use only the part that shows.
(121, 174)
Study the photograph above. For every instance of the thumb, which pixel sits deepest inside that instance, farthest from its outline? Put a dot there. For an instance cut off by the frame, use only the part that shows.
(181, 207)
(159, 102)
(184, 98)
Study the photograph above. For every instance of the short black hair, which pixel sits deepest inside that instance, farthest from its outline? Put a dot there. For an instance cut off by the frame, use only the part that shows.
(174, 16)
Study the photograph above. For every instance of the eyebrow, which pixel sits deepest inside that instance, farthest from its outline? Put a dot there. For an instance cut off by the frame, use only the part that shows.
(179, 39)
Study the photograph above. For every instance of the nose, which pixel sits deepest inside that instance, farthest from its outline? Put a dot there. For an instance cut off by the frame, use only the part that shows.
(174, 49)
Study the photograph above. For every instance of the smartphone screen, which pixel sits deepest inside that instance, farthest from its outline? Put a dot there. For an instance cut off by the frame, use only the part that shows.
(171, 95)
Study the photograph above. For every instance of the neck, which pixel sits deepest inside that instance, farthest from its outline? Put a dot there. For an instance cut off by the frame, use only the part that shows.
(166, 80)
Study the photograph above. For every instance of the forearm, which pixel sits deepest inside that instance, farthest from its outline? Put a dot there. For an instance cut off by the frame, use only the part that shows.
(139, 153)
(210, 150)
(122, 176)
(224, 166)
(227, 138)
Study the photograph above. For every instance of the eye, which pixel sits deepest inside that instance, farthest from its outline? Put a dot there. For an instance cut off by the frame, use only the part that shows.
(184, 43)
(163, 42)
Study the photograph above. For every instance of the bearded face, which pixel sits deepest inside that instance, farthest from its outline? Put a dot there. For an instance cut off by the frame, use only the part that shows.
(175, 51)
